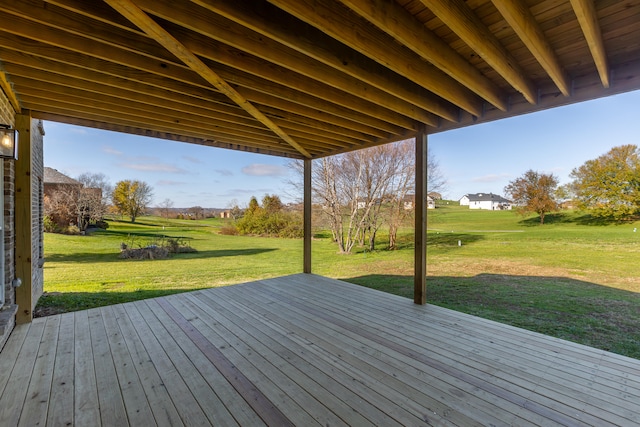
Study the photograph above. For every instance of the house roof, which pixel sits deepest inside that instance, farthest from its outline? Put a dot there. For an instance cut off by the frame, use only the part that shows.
(310, 78)
(486, 197)
(53, 176)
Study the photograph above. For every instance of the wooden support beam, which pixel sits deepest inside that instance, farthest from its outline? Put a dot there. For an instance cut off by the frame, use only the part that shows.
(585, 10)
(151, 89)
(519, 16)
(293, 67)
(458, 16)
(336, 20)
(277, 25)
(23, 224)
(8, 91)
(394, 20)
(420, 258)
(307, 226)
(129, 10)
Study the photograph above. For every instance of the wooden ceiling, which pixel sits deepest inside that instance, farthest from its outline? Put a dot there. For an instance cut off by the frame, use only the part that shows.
(310, 78)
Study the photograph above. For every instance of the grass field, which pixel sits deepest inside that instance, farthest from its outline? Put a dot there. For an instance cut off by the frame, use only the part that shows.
(572, 278)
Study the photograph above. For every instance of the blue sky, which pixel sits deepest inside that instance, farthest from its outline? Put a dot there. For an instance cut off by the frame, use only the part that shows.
(482, 158)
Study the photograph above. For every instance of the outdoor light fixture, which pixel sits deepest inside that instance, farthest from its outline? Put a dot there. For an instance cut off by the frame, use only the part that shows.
(8, 142)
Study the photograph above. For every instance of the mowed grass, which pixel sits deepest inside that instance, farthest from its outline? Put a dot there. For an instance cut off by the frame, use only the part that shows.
(572, 278)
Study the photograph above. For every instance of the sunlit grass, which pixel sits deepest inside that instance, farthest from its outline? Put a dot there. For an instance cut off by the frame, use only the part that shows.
(569, 278)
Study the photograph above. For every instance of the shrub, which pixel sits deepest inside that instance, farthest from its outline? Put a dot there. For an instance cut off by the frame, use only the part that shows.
(72, 230)
(229, 230)
(50, 225)
(102, 224)
(269, 220)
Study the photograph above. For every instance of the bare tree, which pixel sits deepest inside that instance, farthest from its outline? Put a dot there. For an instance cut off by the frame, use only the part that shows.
(61, 206)
(359, 190)
(97, 180)
(165, 208)
(436, 181)
(196, 211)
(402, 185)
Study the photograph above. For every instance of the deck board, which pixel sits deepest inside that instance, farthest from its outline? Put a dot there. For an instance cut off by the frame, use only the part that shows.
(303, 350)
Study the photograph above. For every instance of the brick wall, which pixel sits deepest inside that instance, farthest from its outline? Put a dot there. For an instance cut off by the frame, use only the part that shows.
(37, 179)
(36, 172)
(8, 310)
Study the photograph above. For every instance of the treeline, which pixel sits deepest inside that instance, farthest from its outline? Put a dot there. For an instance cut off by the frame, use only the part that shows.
(607, 187)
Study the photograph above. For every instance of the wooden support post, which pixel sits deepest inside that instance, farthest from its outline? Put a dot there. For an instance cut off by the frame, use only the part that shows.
(23, 229)
(307, 217)
(420, 269)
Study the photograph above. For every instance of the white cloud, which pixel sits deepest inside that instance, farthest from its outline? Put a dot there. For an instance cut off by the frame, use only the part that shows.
(491, 177)
(224, 172)
(193, 159)
(167, 183)
(152, 167)
(251, 192)
(259, 169)
(111, 150)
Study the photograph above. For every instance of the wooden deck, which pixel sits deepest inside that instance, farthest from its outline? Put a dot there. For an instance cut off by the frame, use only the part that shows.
(303, 350)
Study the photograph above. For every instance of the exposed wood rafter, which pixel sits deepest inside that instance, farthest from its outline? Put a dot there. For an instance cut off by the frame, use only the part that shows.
(293, 67)
(463, 21)
(324, 76)
(133, 13)
(393, 19)
(335, 19)
(518, 15)
(273, 23)
(586, 12)
(8, 91)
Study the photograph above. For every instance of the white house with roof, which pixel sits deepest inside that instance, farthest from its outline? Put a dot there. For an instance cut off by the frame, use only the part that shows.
(487, 201)
(409, 202)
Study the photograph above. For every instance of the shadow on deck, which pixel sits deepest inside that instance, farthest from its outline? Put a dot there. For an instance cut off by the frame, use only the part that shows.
(303, 350)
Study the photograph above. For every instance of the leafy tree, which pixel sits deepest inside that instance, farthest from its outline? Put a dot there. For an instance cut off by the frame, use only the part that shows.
(534, 192)
(609, 186)
(272, 204)
(253, 205)
(132, 198)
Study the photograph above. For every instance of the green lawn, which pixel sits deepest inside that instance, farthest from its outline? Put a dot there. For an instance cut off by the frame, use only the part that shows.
(572, 278)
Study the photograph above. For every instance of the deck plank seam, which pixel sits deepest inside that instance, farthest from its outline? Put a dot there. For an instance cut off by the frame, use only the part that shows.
(268, 340)
(532, 406)
(349, 368)
(244, 386)
(595, 412)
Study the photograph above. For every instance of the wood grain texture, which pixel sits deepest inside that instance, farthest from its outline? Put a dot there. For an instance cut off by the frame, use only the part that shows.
(354, 73)
(304, 350)
(164, 38)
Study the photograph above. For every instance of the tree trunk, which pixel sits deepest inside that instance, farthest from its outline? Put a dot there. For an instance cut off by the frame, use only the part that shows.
(393, 235)
(372, 240)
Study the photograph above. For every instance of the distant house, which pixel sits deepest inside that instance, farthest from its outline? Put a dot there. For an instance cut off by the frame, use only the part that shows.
(54, 181)
(409, 201)
(487, 201)
(67, 201)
